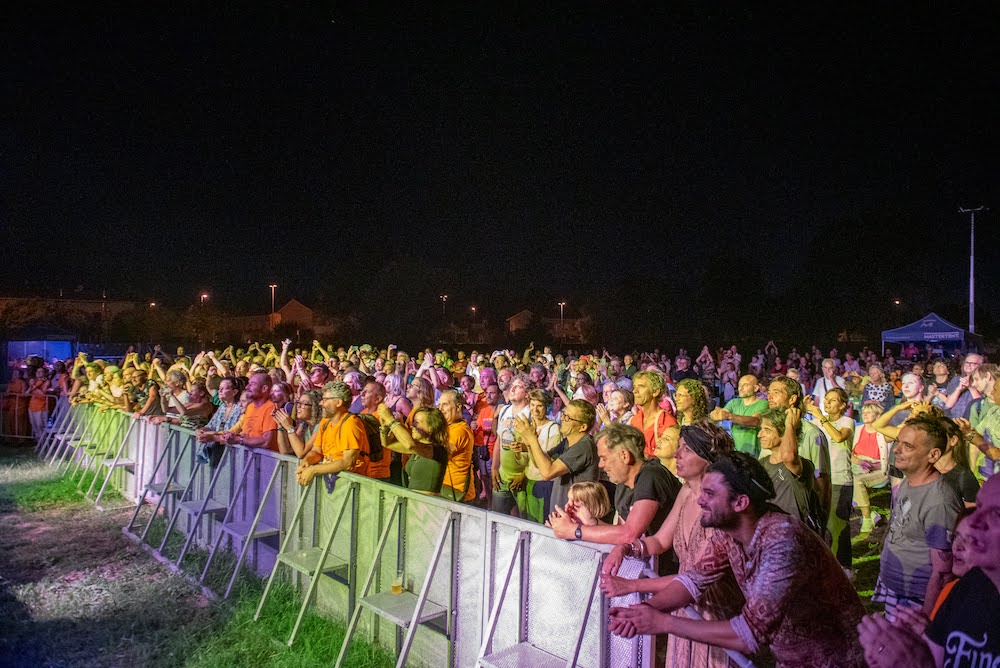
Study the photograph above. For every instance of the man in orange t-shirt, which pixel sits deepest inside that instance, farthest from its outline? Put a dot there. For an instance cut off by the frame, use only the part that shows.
(340, 441)
(256, 428)
(458, 475)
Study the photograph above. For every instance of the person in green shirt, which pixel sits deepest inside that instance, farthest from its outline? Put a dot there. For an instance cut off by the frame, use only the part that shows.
(744, 413)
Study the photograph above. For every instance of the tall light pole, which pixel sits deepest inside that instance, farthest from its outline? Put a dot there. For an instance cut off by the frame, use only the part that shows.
(562, 305)
(444, 302)
(473, 313)
(271, 319)
(203, 298)
(972, 264)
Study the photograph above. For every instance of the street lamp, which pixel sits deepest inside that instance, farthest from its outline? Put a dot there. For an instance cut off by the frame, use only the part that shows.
(272, 286)
(152, 304)
(562, 305)
(203, 298)
(444, 302)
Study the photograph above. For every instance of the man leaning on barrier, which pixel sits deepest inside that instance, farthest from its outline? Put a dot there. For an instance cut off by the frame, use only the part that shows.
(644, 495)
(340, 442)
(799, 602)
(256, 427)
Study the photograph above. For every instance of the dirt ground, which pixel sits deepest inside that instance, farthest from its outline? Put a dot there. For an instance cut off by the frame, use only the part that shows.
(73, 590)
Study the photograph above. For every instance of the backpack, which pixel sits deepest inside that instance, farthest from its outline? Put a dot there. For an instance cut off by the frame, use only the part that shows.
(372, 426)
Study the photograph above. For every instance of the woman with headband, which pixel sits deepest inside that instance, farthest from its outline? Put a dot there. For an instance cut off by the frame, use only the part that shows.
(699, 445)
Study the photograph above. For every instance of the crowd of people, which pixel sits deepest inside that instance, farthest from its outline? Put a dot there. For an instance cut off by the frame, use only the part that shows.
(740, 474)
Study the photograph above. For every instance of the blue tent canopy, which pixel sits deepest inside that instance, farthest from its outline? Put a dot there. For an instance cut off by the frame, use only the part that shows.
(931, 328)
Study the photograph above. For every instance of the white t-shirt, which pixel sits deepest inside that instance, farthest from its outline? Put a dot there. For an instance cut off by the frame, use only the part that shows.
(823, 386)
(840, 453)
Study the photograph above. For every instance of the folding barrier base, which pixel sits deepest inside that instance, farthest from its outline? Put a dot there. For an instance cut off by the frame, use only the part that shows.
(399, 609)
(213, 507)
(522, 654)
(241, 529)
(160, 488)
(307, 561)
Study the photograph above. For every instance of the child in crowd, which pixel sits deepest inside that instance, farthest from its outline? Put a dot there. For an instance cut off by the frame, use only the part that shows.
(588, 502)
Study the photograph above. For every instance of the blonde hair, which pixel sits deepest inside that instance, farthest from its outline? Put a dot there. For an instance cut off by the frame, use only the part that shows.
(592, 496)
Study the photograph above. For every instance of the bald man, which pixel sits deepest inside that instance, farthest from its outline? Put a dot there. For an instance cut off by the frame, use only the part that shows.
(744, 414)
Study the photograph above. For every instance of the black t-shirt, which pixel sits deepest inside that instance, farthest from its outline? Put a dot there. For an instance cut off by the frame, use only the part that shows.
(967, 625)
(653, 482)
(581, 461)
(962, 480)
(679, 375)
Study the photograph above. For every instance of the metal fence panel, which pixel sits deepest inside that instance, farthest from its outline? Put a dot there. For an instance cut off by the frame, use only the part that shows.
(546, 596)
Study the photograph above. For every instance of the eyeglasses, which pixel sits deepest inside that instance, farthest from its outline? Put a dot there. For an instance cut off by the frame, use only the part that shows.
(571, 418)
(304, 403)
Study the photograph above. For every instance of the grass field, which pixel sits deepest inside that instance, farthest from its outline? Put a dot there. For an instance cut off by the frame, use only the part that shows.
(75, 592)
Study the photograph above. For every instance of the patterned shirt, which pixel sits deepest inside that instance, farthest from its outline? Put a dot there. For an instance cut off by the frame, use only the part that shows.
(799, 602)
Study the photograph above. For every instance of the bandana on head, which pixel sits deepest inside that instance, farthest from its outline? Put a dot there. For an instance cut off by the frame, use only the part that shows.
(699, 441)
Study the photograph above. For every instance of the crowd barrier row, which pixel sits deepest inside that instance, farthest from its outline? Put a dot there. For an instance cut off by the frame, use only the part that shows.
(474, 587)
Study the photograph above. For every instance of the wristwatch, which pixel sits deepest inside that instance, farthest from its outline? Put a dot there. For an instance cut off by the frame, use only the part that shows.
(579, 532)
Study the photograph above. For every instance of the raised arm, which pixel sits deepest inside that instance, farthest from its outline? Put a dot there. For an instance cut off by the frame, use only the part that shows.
(789, 448)
(881, 424)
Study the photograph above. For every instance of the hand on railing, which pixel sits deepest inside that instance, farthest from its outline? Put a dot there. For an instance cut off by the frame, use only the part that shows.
(614, 586)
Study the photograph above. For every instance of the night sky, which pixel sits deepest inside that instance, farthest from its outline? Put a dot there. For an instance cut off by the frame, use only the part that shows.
(697, 173)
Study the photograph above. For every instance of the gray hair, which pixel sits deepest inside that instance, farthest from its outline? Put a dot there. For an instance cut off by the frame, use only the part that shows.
(617, 435)
(338, 390)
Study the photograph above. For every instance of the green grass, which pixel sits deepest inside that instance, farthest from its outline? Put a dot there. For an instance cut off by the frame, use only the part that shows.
(243, 642)
(75, 592)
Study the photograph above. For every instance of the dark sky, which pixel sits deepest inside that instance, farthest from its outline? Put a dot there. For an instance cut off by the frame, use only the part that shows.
(700, 168)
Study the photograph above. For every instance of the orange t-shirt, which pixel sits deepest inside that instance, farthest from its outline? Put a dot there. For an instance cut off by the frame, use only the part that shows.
(663, 420)
(945, 591)
(349, 434)
(39, 400)
(484, 436)
(257, 421)
(456, 475)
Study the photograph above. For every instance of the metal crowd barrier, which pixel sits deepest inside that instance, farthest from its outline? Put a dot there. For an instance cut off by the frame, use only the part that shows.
(15, 423)
(478, 588)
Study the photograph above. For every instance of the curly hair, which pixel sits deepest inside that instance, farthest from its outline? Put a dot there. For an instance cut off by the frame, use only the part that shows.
(699, 403)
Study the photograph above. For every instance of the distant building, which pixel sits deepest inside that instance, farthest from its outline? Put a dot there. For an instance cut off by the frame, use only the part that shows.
(519, 321)
(562, 330)
(293, 313)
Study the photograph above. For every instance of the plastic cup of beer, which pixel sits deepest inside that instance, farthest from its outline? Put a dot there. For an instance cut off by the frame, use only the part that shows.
(397, 583)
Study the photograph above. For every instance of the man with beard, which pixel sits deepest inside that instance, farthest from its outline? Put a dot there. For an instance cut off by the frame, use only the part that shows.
(799, 602)
(504, 378)
(339, 443)
(256, 428)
